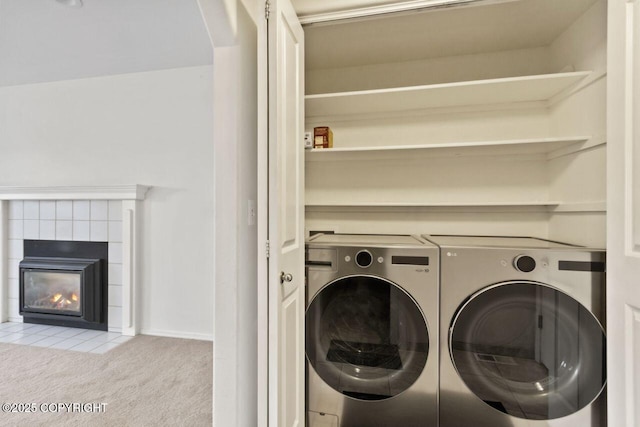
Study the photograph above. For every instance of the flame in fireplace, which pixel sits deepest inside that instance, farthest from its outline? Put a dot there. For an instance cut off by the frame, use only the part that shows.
(59, 301)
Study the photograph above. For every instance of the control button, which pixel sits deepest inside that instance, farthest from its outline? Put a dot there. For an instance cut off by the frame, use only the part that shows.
(524, 263)
(364, 259)
(380, 260)
(347, 258)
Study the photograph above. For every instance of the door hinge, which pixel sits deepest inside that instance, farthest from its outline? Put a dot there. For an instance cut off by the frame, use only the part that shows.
(268, 249)
(267, 10)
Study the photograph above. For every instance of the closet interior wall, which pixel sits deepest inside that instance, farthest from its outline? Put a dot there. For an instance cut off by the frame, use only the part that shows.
(579, 178)
(482, 163)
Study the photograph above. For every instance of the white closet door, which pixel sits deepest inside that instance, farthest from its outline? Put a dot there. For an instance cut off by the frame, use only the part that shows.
(623, 213)
(286, 217)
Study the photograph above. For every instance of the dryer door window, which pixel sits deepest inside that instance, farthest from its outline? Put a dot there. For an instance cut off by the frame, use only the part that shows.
(529, 350)
(366, 337)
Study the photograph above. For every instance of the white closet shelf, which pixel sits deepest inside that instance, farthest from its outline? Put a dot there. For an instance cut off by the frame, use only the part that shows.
(470, 93)
(316, 206)
(513, 146)
(533, 206)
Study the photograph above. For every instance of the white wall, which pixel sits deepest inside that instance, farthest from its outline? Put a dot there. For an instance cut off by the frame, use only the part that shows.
(246, 405)
(236, 181)
(247, 238)
(152, 128)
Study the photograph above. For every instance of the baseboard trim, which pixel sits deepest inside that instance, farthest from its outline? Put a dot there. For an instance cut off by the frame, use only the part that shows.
(177, 334)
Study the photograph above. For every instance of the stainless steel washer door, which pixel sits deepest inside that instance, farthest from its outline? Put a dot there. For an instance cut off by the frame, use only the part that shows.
(366, 337)
(529, 350)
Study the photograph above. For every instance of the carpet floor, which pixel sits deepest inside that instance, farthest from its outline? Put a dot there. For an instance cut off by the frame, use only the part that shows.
(147, 381)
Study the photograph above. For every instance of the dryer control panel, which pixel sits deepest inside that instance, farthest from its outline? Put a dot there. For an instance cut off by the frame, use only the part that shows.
(524, 263)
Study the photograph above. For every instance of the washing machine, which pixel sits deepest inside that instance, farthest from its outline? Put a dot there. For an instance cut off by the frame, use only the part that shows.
(522, 333)
(371, 331)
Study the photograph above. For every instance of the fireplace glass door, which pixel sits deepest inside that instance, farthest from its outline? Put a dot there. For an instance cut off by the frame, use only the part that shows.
(64, 291)
(53, 291)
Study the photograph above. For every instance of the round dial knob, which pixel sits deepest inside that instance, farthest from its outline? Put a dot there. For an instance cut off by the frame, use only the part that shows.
(524, 263)
(364, 259)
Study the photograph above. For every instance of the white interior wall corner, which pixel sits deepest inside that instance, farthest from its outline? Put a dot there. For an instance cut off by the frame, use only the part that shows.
(227, 36)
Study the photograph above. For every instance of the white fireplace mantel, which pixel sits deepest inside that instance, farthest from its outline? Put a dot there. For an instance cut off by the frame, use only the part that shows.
(131, 197)
(113, 192)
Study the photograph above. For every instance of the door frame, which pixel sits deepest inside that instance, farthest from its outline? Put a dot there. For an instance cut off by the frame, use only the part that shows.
(623, 212)
(263, 223)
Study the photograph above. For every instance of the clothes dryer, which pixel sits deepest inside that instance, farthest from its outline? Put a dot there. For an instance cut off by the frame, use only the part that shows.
(371, 331)
(522, 338)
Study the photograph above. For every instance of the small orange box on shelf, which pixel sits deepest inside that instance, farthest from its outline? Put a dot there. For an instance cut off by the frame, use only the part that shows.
(322, 137)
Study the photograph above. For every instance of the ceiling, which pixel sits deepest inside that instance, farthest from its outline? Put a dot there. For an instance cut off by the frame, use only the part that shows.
(438, 33)
(42, 40)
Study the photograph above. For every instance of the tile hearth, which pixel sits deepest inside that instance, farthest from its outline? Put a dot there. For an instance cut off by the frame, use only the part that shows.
(61, 338)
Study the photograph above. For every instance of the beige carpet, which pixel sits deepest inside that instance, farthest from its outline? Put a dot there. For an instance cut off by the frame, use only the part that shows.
(147, 381)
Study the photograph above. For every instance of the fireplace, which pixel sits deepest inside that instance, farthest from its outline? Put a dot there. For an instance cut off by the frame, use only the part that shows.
(64, 283)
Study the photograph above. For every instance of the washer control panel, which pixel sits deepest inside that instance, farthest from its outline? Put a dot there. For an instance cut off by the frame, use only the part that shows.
(524, 263)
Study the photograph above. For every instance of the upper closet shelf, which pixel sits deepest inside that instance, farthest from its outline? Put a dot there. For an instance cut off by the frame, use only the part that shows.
(378, 206)
(500, 147)
(472, 93)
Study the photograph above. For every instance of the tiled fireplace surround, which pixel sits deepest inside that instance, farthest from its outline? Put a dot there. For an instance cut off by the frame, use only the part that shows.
(98, 214)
